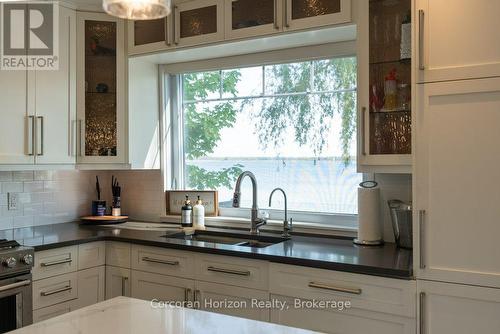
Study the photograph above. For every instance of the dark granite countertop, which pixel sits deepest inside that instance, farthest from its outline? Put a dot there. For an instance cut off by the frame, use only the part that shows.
(318, 252)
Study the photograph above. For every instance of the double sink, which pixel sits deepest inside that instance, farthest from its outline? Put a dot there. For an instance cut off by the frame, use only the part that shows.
(229, 238)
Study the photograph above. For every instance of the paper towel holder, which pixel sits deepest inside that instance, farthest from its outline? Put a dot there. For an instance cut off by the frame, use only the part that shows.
(368, 184)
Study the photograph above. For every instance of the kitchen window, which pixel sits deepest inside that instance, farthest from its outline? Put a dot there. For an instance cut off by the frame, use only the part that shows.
(292, 124)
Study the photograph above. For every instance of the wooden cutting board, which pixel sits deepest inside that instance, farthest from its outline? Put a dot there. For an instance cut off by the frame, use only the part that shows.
(102, 220)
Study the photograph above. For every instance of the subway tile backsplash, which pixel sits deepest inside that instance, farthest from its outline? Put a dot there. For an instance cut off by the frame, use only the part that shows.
(44, 197)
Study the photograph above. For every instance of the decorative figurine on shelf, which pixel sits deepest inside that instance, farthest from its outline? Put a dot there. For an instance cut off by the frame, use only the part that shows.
(99, 50)
(390, 91)
(101, 88)
(376, 101)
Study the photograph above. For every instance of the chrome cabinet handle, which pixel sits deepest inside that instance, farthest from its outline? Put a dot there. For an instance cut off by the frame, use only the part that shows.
(177, 28)
(53, 292)
(334, 288)
(363, 129)
(421, 22)
(276, 26)
(40, 118)
(287, 25)
(124, 282)
(229, 271)
(421, 223)
(195, 298)
(15, 285)
(31, 136)
(55, 263)
(422, 311)
(187, 292)
(167, 35)
(170, 263)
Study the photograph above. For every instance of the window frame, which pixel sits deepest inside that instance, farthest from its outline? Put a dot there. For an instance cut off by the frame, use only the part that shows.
(173, 138)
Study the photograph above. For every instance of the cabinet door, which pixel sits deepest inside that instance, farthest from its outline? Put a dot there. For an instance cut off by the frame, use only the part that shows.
(91, 285)
(248, 18)
(457, 309)
(456, 193)
(231, 300)
(17, 120)
(101, 74)
(303, 14)
(56, 100)
(117, 282)
(384, 124)
(149, 286)
(457, 42)
(339, 322)
(198, 22)
(146, 36)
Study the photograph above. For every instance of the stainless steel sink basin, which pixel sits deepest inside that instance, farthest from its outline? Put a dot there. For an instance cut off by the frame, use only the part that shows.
(230, 238)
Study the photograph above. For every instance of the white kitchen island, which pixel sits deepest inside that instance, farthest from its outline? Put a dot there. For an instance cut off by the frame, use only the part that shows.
(123, 315)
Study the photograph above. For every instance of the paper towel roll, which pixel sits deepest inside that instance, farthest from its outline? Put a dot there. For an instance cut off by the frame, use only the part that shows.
(369, 223)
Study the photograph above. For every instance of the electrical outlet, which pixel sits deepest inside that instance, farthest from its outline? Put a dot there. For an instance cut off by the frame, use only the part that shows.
(12, 201)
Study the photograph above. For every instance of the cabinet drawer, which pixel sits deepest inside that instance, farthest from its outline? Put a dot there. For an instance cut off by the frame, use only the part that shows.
(54, 290)
(54, 262)
(52, 311)
(91, 255)
(118, 254)
(232, 271)
(372, 293)
(163, 261)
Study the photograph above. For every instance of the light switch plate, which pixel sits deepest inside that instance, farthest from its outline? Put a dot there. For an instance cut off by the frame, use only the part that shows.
(12, 201)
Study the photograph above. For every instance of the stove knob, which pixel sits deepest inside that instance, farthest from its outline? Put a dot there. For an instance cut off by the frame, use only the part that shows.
(28, 259)
(10, 262)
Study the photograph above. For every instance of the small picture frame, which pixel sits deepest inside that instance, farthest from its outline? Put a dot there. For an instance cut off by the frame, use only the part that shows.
(175, 200)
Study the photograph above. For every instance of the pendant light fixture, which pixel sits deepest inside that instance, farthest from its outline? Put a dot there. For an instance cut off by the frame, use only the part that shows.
(137, 9)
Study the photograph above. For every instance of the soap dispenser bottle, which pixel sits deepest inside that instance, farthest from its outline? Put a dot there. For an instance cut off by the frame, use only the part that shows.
(199, 215)
(186, 213)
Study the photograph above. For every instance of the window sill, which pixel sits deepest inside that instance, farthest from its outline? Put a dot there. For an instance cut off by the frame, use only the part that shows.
(273, 225)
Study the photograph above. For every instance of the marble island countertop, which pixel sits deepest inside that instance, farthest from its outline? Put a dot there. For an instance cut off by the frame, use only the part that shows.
(310, 251)
(125, 315)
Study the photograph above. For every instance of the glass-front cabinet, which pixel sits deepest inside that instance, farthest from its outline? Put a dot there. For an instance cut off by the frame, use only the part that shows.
(384, 86)
(302, 14)
(248, 18)
(149, 35)
(101, 104)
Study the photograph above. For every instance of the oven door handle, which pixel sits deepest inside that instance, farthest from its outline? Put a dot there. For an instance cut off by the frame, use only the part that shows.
(15, 285)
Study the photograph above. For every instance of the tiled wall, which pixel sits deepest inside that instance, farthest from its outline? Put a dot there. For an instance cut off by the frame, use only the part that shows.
(45, 197)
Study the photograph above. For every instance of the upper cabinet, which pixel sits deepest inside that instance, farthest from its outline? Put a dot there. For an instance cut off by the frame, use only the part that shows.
(37, 122)
(384, 86)
(301, 14)
(196, 22)
(101, 104)
(248, 18)
(457, 42)
(149, 35)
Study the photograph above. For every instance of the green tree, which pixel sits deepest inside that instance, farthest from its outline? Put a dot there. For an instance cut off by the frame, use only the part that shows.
(308, 114)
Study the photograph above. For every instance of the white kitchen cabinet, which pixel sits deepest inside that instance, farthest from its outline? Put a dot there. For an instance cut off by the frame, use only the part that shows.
(384, 130)
(55, 290)
(117, 282)
(53, 262)
(163, 261)
(304, 14)
(91, 285)
(147, 36)
(53, 311)
(230, 300)
(101, 90)
(149, 286)
(350, 321)
(251, 18)
(457, 309)
(92, 254)
(197, 22)
(457, 42)
(455, 192)
(56, 100)
(118, 254)
(38, 117)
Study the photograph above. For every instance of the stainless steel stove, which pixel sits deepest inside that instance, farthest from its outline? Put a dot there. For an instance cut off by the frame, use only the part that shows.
(15, 285)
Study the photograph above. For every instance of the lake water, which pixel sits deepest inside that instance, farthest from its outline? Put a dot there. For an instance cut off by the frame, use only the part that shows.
(311, 185)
